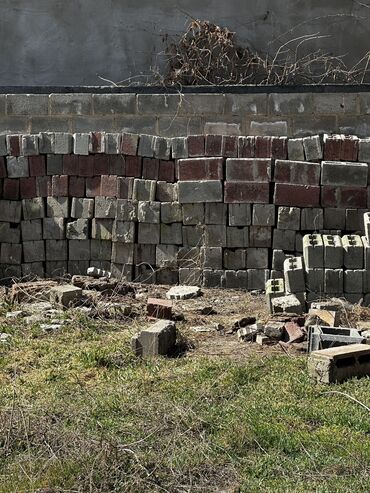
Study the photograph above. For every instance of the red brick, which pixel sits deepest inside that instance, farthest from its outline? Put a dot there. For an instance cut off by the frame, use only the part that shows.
(11, 189)
(213, 145)
(245, 192)
(248, 169)
(37, 165)
(117, 165)
(166, 171)
(196, 145)
(230, 146)
(93, 186)
(97, 142)
(86, 165)
(349, 149)
(2, 168)
(70, 164)
(150, 169)
(246, 147)
(124, 187)
(27, 188)
(342, 197)
(129, 144)
(76, 186)
(297, 172)
(333, 148)
(101, 164)
(133, 166)
(263, 146)
(108, 186)
(200, 169)
(158, 308)
(279, 147)
(59, 186)
(14, 145)
(43, 186)
(297, 195)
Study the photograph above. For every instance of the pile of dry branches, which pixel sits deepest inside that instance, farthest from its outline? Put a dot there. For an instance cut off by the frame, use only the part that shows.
(207, 54)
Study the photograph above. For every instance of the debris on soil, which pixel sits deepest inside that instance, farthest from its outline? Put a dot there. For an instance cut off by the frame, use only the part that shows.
(206, 310)
(183, 292)
(95, 272)
(36, 290)
(65, 295)
(103, 284)
(16, 314)
(158, 339)
(249, 332)
(159, 308)
(203, 329)
(242, 322)
(295, 332)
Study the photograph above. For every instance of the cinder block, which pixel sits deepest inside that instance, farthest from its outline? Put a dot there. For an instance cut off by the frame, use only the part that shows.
(193, 214)
(33, 251)
(101, 250)
(234, 259)
(210, 258)
(65, 295)
(284, 240)
(257, 258)
(315, 280)
(237, 237)
(275, 288)
(335, 173)
(263, 215)
(82, 208)
(31, 230)
(191, 192)
(297, 172)
(62, 143)
(353, 252)
(126, 210)
(57, 207)
(112, 143)
(215, 213)
(239, 214)
(149, 233)
(122, 253)
(236, 279)
(312, 219)
(159, 339)
(257, 278)
(179, 147)
(333, 252)
(366, 244)
(289, 218)
(123, 231)
(11, 253)
(56, 250)
(294, 275)
(333, 281)
(171, 234)
(313, 251)
(295, 149)
(278, 258)
(30, 145)
(149, 212)
(144, 254)
(144, 190)
(334, 218)
(215, 235)
(313, 148)
(78, 230)
(166, 256)
(260, 236)
(79, 250)
(81, 143)
(193, 236)
(17, 167)
(353, 281)
(53, 228)
(287, 304)
(171, 212)
(297, 195)
(105, 207)
(101, 229)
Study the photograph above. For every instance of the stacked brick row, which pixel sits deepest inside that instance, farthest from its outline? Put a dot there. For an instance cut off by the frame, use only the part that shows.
(212, 210)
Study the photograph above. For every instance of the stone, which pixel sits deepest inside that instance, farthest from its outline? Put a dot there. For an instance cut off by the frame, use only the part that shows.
(286, 304)
(65, 295)
(159, 339)
(183, 292)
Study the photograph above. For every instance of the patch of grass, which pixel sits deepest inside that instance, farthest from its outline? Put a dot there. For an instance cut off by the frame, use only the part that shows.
(79, 413)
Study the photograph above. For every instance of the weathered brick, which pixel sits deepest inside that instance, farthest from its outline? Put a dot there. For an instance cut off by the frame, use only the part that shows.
(193, 214)
(117, 165)
(179, 147)
(59, 186)
(295, 149)
(62, 143)
(30, 145)
(245, 192)
(166, 192)
(297, 172)
(37, 165)
(297, 195)
(200, 169)
(150, 169)
(3, 168)
(279, 147)
(43, 186)
(14, 144)
(263, 147)
(46, 142)
(11, 253)
(263, 215)
(54, 165)
(10, 211)
(27, 187)
(145, 148)
(133, 166)
(101, 164)
(79, 250)
(251, 170)
(31, 230)
(108, 186)
(125, 187)
(333, 147)
(56, 250)
(81, 143)
(53, 228)
(162, 148)
(92, 186)
(196, 145)
(97, 142)
(335, 196)
(246, 147)
(129, 144)
(76, 186)
(11, 189)
(313, 148)
(213, 145)
(70, 104)
(200, 191)
(17, 167)
(86, 165)
(344, 174)
(260, 236)
(239, 214)
(57, 206)
(112, 143)
(166, 171)
(102, 229)
(349, 148)
(105, 207)
(229, 146)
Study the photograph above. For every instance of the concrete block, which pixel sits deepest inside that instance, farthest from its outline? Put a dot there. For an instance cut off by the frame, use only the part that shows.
(55, 251)
(353, 281)
(366, 244)
(295, 150)
(78, 267)
(239, 214)
(333, 281)
(336, 364)
(166, 192)
(78, 230)
(334, 218)
(179, 147)
(313, 148)
(234, 259)
(33, 251)
(56, 270)
(263, 214)
(171, 234)
(210, 258)
(126, 210)
(289, 218)
(159, 339)
(237, 237)
(313, 251)
(122, 253)
(275, 288)
(333, 252)
(30, 145)
(53, 228)
(17, 167)
(79, 250)
(82, 208)
(101, 229)
(149, 233)
(46, 142)
(200, 191)
(190, 257)
(31, 230)
(312, 219)
(66, 295)
(33, 208)
(336, 173)
(57, 207)
(315, 280)
(171, 212)
(284, 240)
(162, 148)
(193, 236)
(166, 256)
(294, 275)
(299, 243)
(105, 207)
(11, 253)
(112, 143)
(144, 254)
(257, 258)
(62, 143)
(144, 190)
(193, 214)
(146, 147)
(213, 278)
(367, 225)
(353, 252)
(355, 220)
(10, 211)
(54, 165)
(236, 279)
(286, 304)
(33, 270)
(215, 235)
(149, 212)
(260, 236)
(278, 258)
(190, 276)
(123, 231)
(101, 250)
(215, 213)
(81, 143)
(257, 278)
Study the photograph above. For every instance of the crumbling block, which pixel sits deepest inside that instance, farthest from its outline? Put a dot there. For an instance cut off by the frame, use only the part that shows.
(286, 304)
(294, 275)
(159, 339)
(65, 295)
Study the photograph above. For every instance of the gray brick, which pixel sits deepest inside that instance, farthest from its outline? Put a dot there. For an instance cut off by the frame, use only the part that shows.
(239, 214)
(27, 104)
(222, 128)
(101, 229)
(334, 103)
(237, 237)
(53, 228)
(11, 253)
(246, 104)
(56, 250)
(210, 257)
(112, 143)
(167, 276)
(190, 257)
(313, 148)
(355, 219)
(126, 210)
(82, 208)
(146, 146)
(54, 165)
(315, 280)
(193, 214)
(101, 250)
(33, 208)
(123, 272)
(171, 212)
(295, 150)
(215, 235)
(289, 218)
(288, 104)
(149, 212)
(114, 104)
(364, 150)
(336, 173)
(31, 230)
(122, 253)
(78, 267)
(144, 189)
(260, 236)
(70, 104)
(312, 219)
(79, 250)
(313, 252)
(166, 192)
(353, 252)
(17, 167)
(62, 143)
(284, 240)
(171, 234)
(78, 230)
(123, 231)
(57, 207)
(200, 191)
(278, 258)
(202, 104)
(149, 233)
(179, 147)
(162, 148)
(81, 143)
(166, 256)
(105, 207)
(263, 214)
(33, 251)
(30, 145)
(215, 213)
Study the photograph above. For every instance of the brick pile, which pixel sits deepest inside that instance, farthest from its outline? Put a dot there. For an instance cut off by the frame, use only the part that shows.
(209, 210)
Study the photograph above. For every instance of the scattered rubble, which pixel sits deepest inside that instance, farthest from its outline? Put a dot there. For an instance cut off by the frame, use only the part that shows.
(65, 295)
(95, 272)
(158, 339)
(159, 308)
(37, 290)
(183, 292)
(103, 284)
(320, 337)
(4, 337)
(287, 304)
(249, 332)
(15, 314)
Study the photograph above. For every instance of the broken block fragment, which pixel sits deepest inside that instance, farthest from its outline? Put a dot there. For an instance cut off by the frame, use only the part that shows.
(159, 339)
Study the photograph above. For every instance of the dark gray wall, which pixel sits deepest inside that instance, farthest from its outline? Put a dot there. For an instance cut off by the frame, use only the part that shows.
(69, 42)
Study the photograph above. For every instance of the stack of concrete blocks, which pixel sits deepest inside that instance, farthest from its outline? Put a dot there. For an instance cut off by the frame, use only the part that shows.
(213, 210)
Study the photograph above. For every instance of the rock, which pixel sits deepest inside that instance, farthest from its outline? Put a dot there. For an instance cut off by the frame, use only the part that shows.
(286, 304)
(65, 295)
(183, 292)
(51, 327)
(249, 332)
(274, 330)
(16, 314)
(4, 337)
(203, 329)
(158, 339)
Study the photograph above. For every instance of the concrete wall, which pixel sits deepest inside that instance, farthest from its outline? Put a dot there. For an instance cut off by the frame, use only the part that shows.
(290, 114)
(62, 42)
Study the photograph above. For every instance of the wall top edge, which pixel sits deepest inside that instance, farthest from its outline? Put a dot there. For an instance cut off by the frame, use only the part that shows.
(231, 89)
